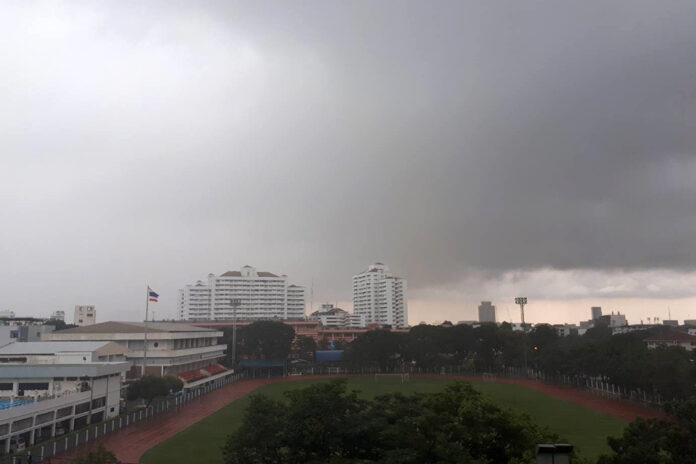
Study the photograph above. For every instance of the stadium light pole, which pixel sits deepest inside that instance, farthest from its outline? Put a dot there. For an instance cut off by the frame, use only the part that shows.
(235, 303)
(521, 301)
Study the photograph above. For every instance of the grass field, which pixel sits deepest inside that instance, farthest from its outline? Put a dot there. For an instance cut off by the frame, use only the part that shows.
(584, 428)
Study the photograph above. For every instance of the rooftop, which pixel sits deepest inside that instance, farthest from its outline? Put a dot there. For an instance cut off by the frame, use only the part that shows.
(19, 348)
(132, 327)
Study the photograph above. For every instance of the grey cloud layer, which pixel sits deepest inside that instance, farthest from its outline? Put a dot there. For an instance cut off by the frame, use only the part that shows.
(164, 142)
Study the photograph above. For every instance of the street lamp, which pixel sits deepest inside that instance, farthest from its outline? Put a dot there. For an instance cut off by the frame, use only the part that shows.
(235, 303)
(522, 300)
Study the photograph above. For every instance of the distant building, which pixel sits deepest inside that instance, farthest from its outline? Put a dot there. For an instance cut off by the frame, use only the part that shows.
(486, 312)
(672, 338)
(261, 295)
(691, 322)
(58, 316)
(25, 329)
(380, 297)
(329, 316)
(564, 330)
(596, 312)
(631, 328)
(7, 314)
(85, 315)
(670, 322)
(612, 320)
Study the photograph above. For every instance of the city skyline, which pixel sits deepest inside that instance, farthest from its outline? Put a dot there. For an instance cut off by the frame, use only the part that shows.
(485, 151)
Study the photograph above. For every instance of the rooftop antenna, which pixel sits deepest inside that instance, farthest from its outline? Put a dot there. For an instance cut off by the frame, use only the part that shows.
(669, 313)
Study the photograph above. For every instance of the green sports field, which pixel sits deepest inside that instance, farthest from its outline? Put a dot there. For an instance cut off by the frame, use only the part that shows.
(584, 428)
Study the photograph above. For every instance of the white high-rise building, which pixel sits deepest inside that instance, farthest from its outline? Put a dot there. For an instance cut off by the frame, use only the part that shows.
(380, 296)
(261, 295)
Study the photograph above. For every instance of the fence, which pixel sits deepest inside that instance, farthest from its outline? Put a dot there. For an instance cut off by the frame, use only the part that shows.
(60, 445)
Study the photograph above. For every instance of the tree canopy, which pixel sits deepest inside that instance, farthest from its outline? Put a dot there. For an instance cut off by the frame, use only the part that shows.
(657, 441)
(623, 359)
(326, 423)
(150, 387)
(99, 456)
(269, 340)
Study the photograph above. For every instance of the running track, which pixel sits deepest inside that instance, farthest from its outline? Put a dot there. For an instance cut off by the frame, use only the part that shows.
(131, 443)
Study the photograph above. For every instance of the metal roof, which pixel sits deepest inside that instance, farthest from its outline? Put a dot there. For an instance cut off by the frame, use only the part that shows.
(132, 327)
(18, 348)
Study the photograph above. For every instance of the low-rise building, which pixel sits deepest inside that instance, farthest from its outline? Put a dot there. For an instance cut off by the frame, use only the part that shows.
(672, 338)
(52, 388)
(23, 329)
(564, 330)
(58, 316)
(622, 329)
(330, 316)
(172, 348)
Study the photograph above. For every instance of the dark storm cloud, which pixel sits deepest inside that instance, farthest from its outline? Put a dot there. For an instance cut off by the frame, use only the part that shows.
(164, 142)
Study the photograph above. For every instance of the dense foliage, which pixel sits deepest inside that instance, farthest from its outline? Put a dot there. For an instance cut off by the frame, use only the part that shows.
(150, 387)
(100, 456)
(623, 360)
(269, 340)
(658, 441)
(326, 423)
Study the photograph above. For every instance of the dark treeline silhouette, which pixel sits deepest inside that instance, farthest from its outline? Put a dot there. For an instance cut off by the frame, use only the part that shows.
(623, 360)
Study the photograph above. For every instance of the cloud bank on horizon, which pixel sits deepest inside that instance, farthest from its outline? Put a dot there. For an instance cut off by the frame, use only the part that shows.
(476, 148)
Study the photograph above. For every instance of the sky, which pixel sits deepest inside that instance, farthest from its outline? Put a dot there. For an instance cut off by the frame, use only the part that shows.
(483, 150)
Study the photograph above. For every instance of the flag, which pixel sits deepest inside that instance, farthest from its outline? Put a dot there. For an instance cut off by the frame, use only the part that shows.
(151, 295)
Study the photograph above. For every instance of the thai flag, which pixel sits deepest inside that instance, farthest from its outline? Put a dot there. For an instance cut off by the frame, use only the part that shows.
(151, 295)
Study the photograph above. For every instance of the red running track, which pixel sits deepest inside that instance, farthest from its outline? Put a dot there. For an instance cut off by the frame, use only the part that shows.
(131, 443)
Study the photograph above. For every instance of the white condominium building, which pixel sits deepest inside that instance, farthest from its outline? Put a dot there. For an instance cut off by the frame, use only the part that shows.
(380, 297)
(261, 295)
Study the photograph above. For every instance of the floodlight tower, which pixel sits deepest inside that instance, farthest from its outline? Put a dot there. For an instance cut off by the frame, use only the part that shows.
(522, 300)
(235, 303)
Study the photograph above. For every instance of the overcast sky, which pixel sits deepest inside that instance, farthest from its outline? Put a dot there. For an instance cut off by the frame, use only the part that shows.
(481, 149)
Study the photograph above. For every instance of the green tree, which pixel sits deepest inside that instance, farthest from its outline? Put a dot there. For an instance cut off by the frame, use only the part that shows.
(657, 441)
(269, 340)
(100, 456)
(58, 324)
(326, 423)
(380, 348)
(150, 387)
(305, 346)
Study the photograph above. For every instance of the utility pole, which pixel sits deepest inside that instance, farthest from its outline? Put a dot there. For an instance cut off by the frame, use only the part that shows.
(235, 303)
(522, 300)
(147, 309)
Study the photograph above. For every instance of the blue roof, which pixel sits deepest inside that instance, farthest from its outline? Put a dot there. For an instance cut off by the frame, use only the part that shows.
(329, 355)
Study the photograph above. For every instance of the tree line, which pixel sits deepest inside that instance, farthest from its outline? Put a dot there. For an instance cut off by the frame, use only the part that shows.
(623, 359)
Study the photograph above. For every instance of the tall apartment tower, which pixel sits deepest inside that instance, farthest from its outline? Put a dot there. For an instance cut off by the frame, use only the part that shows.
(380, 297)
(85, 315)
(261, 295)
(486, 312)
(596, 312)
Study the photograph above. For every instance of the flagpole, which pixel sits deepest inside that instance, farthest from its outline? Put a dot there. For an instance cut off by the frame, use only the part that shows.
(147, 307)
